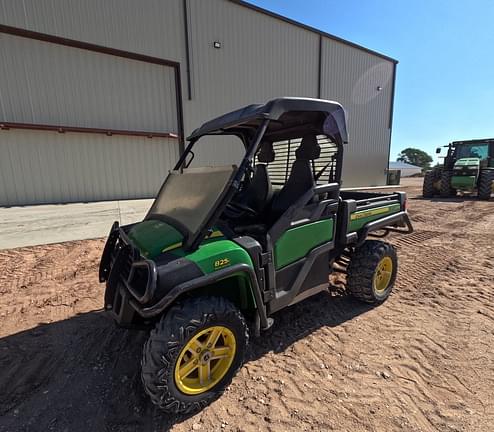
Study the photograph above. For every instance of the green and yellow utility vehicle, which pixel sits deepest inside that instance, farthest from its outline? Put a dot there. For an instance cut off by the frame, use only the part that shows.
(468, 167)
(224, 248)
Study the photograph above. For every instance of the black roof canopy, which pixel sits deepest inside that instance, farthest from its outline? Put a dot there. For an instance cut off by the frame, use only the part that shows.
(287, 113)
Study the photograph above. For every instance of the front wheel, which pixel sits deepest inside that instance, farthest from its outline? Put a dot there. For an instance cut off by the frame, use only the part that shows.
(446, 189)
(486, 185)
(193, 354)
(372, 271)
(429, 186)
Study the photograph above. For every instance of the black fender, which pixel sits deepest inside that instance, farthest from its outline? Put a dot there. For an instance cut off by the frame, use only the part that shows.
(202, 281)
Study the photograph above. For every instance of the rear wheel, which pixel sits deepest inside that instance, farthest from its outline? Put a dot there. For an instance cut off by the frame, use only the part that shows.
(446, 189)
(193, 353)
(428, 188)
(372, 271)
(485, 185)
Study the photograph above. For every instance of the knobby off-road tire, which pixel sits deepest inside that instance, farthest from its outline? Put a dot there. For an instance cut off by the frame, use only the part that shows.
(446, 189)
(485, 185)
(171, 340)
(428, 189)
(372, 271)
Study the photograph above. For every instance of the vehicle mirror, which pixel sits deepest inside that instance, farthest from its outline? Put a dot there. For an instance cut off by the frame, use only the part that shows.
(438, 150)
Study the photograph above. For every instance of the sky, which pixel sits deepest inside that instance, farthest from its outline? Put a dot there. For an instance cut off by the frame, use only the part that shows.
(445, 49)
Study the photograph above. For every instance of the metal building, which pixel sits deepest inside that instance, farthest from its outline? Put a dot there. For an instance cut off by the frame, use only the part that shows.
(95, 97)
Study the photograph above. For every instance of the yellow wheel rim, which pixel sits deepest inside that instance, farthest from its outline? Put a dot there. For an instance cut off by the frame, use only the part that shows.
(382, 275)
(205, 360)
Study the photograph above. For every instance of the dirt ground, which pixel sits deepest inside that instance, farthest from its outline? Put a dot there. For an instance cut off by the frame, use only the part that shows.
(422, 361)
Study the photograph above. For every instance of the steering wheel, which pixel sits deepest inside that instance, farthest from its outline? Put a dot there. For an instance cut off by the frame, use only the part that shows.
(236, 209)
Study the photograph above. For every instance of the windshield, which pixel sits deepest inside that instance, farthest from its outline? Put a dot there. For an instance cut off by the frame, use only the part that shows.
(480, 151)
(187, 198)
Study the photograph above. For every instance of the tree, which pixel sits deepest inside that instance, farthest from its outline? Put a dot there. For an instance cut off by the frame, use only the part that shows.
(415, 157)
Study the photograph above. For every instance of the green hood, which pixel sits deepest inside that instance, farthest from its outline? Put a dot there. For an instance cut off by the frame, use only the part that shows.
(153, 237)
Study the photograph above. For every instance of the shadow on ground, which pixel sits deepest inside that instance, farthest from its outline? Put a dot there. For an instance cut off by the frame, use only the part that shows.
(83, 374)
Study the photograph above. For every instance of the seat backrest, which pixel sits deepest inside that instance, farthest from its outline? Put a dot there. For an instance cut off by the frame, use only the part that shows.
(301, 177)
(259, 191)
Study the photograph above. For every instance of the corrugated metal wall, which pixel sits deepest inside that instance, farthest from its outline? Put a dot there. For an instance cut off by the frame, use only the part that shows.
(49, 167)
(352, 77)
(47, 83)
(260, 57)
(151, 27)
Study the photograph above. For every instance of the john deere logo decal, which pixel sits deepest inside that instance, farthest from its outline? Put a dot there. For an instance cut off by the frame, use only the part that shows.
(223, 262)
(373, 212)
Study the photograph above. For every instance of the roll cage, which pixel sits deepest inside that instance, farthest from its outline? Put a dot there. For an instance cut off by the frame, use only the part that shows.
(278, 119)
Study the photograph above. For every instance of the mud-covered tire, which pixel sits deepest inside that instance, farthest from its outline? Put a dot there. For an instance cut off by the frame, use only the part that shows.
(428, 189)
(363, 268)
(167, 341)
(485, 185)
(446, 189)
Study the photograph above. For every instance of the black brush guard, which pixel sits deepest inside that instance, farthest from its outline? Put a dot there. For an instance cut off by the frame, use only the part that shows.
(127, 275)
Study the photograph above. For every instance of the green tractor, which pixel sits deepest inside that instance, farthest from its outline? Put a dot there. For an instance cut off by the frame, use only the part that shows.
(468, 167)
(225, 248)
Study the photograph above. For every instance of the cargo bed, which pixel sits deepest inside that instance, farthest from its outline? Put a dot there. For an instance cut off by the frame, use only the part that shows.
(362, 213)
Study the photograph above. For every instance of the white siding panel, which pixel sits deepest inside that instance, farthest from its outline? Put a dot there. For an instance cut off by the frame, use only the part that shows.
(49, 167)
(351, 77)
(52, 84)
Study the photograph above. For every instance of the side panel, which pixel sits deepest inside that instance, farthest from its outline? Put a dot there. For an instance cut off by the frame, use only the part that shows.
(297, 242)
(359, 218)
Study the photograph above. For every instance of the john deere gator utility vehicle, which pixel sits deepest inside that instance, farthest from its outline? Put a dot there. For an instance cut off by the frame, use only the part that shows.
(468, 167)
(225, 248)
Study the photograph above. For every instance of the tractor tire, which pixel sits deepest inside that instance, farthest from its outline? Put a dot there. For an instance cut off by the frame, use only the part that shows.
(372, 271)
(486, 180)
(193, 353)
(446, 189)
(428, 189)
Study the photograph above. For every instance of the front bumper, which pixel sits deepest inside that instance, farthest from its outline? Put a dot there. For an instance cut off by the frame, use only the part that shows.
(127, 275)
(138, 288)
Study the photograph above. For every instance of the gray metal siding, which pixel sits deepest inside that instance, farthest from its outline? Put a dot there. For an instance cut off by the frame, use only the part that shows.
(351, 77)
(53, 84)
(151, 27)
(260, 58)
(47, 83)
(49, 167)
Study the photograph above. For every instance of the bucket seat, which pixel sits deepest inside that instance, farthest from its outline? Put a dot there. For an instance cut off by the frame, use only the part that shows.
(301, 177)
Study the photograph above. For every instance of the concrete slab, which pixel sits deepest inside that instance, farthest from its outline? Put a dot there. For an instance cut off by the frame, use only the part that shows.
(43, 224)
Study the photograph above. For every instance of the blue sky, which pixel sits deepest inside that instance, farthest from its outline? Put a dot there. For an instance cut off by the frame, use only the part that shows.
(445, 49)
